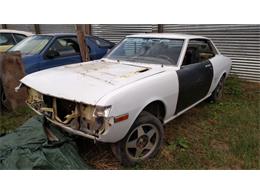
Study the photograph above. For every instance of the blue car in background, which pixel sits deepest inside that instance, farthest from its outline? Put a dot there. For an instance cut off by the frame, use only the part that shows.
(41, 52)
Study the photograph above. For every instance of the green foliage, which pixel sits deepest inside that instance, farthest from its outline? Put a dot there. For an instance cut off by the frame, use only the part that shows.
(12, 120)
(233, 86)
(180, 143)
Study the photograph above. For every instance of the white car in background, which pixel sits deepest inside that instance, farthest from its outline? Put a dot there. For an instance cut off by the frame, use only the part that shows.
(125, 98)
(9, 38)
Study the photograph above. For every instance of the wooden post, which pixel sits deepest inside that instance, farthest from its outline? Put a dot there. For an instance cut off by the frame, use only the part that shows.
(88, 29)
(4, 26)
(37, 29)
(11, 71)
(80, 30)
(160, 28)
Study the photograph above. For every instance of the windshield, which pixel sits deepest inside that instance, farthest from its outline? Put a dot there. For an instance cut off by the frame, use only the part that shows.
(148, 50)
(32, 45)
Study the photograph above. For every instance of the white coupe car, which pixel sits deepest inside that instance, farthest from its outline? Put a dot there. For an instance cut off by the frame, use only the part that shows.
(125, 98)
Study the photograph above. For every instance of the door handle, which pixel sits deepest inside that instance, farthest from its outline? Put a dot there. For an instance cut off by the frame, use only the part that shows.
(207, 65)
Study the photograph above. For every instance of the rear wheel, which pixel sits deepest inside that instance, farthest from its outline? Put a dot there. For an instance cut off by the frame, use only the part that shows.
(218, 92)
(143, 140)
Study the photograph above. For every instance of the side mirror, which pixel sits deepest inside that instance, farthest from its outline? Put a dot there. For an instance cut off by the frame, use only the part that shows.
(52, 54)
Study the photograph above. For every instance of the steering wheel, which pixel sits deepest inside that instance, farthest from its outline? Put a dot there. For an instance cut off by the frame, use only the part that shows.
(167, 58)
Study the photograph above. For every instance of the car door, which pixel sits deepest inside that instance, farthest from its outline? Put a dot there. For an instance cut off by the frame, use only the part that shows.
(63, 50)
(196, 73)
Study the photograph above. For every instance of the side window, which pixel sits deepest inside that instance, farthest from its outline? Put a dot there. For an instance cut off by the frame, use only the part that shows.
(198, 51)
(19, 37)
(65, 46)
(6, 39)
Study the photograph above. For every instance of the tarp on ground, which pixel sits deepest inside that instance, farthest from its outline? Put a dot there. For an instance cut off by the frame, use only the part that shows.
(27, 148)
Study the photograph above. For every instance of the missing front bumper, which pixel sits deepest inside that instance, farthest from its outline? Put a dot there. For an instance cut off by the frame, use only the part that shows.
(64, 127)
(73, 117)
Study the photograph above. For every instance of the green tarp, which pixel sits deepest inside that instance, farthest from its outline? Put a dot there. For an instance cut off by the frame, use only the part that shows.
(27, 148)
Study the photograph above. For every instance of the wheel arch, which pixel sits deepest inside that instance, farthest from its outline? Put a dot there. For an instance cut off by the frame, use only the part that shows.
(156, 107)
(225, 74)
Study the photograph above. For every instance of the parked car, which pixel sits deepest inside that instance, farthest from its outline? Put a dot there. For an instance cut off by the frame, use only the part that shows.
(9, 38)
(40, 52)
(125, 98)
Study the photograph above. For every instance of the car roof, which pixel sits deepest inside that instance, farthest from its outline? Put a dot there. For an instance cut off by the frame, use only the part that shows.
(16, 31)
(62, 34)
(167, 35)
(59, 34)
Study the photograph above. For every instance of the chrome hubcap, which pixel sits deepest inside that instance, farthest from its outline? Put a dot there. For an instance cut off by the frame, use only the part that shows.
(142, 141)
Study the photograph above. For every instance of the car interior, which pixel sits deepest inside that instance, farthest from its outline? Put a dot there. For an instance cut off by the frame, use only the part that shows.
(197, 51)
(65, 47)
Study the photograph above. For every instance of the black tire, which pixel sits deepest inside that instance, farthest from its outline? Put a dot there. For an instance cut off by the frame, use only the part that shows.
(217, 94)
(143, 140)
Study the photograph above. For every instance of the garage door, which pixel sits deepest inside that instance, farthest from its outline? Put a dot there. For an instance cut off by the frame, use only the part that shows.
(240, 42)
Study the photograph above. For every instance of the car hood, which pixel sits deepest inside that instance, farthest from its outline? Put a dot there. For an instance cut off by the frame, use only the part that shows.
(88, 82)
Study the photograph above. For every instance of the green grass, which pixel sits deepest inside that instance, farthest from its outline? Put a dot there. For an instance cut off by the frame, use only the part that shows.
(11, 120)
(224, 135)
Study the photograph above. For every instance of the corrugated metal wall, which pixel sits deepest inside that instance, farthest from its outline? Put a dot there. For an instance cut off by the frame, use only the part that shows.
(23, 27)
(115, 32)
(44, 28)
(54, 28)
(240, 42)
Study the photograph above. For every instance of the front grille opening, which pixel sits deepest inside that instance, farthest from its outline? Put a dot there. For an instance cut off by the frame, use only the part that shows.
(64, 108)
(48, 101)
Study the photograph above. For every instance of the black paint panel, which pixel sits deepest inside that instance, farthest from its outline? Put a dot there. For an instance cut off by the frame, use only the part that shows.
(194, 83)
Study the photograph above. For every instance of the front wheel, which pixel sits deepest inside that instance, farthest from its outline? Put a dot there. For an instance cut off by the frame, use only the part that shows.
(143, 140)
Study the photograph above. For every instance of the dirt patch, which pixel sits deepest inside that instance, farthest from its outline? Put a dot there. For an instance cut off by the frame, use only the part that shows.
(97, 155)
(218, 145)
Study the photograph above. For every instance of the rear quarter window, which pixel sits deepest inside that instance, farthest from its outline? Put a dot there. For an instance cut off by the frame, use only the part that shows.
(19, 37)
(6, 39)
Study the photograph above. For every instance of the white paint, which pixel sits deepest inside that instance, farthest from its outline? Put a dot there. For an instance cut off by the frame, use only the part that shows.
(221, 65)
(87, 82)
(167, 36)
(27, 34)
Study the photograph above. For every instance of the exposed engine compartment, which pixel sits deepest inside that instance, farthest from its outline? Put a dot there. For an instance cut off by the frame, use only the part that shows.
(77, 116)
